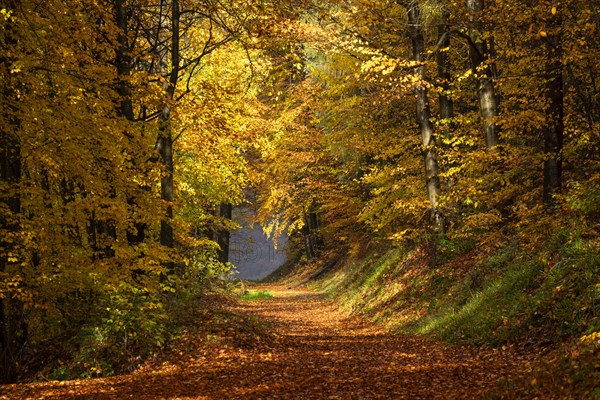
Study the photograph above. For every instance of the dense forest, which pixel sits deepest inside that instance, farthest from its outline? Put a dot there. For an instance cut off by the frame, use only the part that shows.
(463, 133)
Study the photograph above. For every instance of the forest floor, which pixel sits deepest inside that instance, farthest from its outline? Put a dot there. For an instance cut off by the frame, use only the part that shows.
(313, 352)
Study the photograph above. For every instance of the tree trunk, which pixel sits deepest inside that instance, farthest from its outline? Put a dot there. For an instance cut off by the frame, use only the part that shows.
(423, 115)
(488, 101)
(307, 236)
(443, 65)
(165, 151)
(554, 131)
(165, 137)
(313, 219)
(223, 235)
(125, 109)
(10, 175)
(13, 328)
(123, 59)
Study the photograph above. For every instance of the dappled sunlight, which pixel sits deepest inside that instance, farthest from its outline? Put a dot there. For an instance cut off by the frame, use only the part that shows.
(318, 352)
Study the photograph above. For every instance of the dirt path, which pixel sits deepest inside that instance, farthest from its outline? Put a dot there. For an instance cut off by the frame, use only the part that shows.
(317, 354)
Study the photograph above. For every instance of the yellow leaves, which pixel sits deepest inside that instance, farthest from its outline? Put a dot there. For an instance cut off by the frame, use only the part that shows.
(7, 15)
(16, 67)
(402, 235)
(384, 65)
(464, 75)
(12, 286)
(553, 10)
(482, 220)
(593, 337)
(10, 282)
(459, 141)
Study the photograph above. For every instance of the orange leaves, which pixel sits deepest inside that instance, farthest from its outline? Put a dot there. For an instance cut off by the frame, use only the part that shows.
(315, 351)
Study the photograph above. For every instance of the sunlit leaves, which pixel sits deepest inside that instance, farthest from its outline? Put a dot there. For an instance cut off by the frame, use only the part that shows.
(89, 206)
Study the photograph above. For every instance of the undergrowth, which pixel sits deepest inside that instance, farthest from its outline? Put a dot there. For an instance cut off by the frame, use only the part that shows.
(132, 324)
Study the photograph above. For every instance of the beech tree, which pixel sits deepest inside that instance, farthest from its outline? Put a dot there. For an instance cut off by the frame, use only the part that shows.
(86, 99)
(502, 49)
(423, 112)
(554, 131)
(130, 128)
(13, 330)
(483, 70)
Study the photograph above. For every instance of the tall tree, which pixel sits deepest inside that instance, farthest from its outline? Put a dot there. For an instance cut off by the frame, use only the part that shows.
(168, 51)
(443, 64)
(13, 332)
(423, 112)
(554, 129)
(480, 62)
(223, 235)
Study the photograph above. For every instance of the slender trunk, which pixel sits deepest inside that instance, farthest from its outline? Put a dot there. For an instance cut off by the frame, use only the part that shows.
(125, 109)
(313, 219)
(307, 236)
(10, 175)
(6, 364)
(314, 224)
(165, 138)
(165, 150)
(488, 101)
(223, 234)
(423, 115)
(13, 328)
(138, 233)
(123, 59)
(554, 131)
(443, 65)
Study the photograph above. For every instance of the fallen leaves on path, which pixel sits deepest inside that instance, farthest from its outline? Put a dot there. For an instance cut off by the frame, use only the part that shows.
(314, 352)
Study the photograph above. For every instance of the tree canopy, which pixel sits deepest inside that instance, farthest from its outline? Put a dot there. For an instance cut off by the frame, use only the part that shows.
(130, 127)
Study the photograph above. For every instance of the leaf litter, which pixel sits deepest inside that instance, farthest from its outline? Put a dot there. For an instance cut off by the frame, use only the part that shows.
(296, 345)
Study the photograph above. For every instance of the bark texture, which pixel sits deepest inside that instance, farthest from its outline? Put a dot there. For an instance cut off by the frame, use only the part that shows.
(488, 100)
(223, 235)
(423, 115)
(443, 65)
(165, 138)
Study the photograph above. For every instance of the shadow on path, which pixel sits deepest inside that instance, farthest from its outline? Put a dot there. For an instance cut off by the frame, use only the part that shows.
(318, 354)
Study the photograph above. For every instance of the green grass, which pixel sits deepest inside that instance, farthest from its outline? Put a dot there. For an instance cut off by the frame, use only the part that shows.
(509, 295)
(490, 315)
(256, 295)
(459, 293)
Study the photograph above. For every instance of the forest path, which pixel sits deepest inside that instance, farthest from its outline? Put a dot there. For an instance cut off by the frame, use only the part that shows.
(316, 353)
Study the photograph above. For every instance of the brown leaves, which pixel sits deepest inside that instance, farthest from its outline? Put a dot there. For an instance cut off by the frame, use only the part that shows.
(314, 352)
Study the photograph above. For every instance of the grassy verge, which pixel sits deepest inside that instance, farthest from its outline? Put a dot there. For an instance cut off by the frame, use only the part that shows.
(255, 295)
(505, 296)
